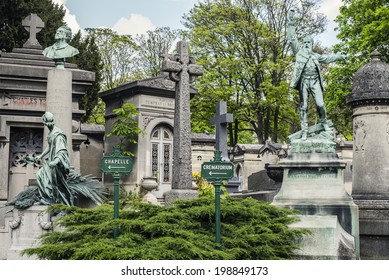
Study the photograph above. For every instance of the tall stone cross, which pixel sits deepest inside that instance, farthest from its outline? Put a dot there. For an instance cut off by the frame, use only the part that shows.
(182, 70)
(220, 120)
(33, 24)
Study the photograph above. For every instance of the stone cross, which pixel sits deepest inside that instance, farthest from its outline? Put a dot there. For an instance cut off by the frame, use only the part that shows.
(220, 121)
(33, 24)
(182, 70)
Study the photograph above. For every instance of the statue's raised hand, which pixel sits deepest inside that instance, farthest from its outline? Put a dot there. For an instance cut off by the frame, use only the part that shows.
(292, 16)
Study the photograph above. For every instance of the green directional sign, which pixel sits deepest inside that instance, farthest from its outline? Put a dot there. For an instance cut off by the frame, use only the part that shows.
(217, 170)
(122, 164)
(116, 162)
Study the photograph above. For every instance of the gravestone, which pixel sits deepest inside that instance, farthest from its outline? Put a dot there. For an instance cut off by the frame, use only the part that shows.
(182, 70)
(369, 101)
(33, 24)
(220, 121)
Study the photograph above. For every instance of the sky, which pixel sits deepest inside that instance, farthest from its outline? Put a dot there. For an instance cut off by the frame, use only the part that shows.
(138, 16)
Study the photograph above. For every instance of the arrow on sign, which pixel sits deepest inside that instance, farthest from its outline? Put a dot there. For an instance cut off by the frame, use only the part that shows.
(216, 173)
(115, 167)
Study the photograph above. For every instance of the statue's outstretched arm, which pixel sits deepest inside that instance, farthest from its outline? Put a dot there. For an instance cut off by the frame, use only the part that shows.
(291, 32)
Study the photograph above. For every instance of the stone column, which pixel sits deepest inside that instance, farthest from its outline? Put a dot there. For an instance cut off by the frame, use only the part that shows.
(59, 102)
(182, 70)
(369, 101)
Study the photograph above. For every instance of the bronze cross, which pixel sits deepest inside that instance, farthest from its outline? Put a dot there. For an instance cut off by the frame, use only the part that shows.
(33, 24)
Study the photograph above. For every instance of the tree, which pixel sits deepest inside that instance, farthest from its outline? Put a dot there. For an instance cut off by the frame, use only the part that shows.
(246, 56)
(118, 53)
(151, 46)
(363, 26)
(88, 59)
(12, 12)
(252, 230)
(125, 126)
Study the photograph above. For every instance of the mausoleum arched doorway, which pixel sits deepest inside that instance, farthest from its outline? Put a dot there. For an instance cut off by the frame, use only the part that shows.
(23, 142)
(161, 157)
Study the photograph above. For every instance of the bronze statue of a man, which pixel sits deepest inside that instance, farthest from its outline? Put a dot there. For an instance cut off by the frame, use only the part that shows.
(61, 49)
(306, 76)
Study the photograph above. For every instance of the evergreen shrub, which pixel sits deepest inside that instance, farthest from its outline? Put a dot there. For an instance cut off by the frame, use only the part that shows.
(251, 230)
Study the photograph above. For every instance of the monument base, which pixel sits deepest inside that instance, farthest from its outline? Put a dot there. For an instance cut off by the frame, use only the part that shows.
(373, 228)
(26, 228)
(327, 240)
(179, 194)
(313, 185)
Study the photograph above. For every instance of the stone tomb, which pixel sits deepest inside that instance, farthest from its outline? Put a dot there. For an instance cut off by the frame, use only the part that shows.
(23, 85)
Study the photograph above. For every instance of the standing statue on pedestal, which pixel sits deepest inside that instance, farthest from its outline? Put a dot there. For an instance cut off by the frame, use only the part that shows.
(61, 49)
(57, 183)
(307, 77)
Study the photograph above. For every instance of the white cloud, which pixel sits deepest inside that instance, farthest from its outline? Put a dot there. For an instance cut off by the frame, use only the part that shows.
(330, 8)
(135, 24)
(70, 19)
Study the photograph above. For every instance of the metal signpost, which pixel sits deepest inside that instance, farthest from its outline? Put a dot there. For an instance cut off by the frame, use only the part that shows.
(116, 164)
(216, 172)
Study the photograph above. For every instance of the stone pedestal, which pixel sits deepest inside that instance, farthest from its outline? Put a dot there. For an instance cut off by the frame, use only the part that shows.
(26, 227)
(176, 194)
(59, 102)
(369, 100)
(313, 185)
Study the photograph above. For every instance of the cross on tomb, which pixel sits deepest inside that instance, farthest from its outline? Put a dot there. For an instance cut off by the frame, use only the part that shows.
(220, 121)
(182, 70)
(33, 24)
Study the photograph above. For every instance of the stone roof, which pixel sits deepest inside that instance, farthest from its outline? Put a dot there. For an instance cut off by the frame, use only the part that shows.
(203, 137)
(370, 83)
(160, 86)
(92, 128)
(246, 148)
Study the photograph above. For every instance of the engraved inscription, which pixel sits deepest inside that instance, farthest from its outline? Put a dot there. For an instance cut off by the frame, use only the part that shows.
(158, 102)
(312, 173)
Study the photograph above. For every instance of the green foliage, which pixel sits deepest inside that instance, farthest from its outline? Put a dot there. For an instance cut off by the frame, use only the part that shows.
(125, 126)
(206, 189)
(243, 47)
(88, 59)
(251, 229)
(151, 46)
(118, 56)
(363, 26)
(12, 12)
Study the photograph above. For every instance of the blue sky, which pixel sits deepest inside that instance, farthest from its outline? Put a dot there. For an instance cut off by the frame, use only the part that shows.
(138, 16)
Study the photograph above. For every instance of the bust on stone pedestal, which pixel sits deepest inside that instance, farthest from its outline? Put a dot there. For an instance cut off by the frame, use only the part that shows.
(61, 49)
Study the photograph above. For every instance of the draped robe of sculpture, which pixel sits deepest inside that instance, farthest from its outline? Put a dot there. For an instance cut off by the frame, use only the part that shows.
(52, 185)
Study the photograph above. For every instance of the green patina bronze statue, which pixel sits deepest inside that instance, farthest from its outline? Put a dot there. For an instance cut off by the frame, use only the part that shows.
(57, 183)
(61, 49)
(307, 77)
(51, 177)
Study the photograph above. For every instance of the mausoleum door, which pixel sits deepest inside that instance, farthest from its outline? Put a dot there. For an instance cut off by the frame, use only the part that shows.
(23, 142)
(161, 157)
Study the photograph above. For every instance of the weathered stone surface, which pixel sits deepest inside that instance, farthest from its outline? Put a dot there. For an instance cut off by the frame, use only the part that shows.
(313, 185)
(182, 70)
(327, 241)
(220, 121)
(178, 194)
(370, 103)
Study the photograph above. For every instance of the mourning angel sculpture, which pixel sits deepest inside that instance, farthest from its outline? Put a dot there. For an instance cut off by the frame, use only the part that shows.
(307, 78)
(56, 182)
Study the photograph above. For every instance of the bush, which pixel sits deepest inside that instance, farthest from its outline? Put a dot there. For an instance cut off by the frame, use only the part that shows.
(251, 229)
